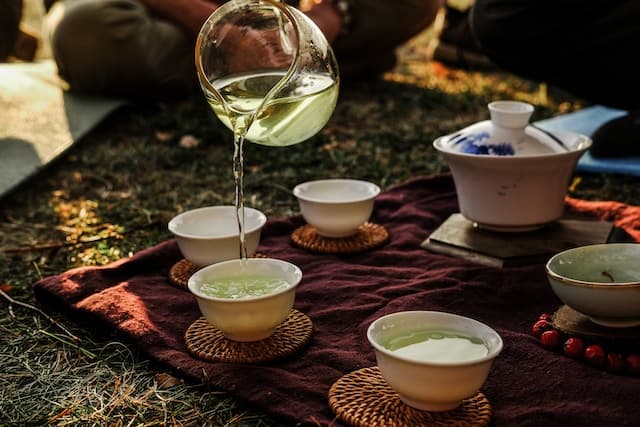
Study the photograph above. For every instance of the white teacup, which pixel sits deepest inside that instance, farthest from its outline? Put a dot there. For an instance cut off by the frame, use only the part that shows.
(336, 207)
(210, 234)
(246, 310)
(436, 373)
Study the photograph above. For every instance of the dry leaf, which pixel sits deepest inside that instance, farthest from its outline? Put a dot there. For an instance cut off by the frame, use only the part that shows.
(165, 380)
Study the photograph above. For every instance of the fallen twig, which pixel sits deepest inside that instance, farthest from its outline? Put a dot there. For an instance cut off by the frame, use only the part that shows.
(62, 340)
(39, 311)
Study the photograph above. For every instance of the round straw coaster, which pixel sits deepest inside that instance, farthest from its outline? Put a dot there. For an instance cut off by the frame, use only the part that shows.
(208, 343)
(368, 236)
(362, 398)
(180, 273)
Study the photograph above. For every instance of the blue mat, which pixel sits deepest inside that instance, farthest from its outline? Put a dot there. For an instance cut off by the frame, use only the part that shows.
(586, 122)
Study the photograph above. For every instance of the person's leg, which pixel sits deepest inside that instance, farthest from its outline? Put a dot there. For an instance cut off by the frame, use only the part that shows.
(114, 47)
(586, 48)
(454, 44)
(378, 28)
(16, 41)
(10, 16)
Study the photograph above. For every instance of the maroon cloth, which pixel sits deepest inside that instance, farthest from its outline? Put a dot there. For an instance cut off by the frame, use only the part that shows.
(342, 295)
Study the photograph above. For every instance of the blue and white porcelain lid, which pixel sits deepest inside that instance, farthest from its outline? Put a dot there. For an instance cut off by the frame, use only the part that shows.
(508, 133)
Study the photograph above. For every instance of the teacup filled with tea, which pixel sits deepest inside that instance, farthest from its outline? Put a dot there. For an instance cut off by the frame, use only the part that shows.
(246, 299)
(432, 359)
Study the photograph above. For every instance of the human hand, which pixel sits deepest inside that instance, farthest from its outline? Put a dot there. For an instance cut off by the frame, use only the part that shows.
(246, 49)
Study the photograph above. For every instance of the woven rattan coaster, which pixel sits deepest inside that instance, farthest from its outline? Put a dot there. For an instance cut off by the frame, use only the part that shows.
(367, 237)
(207, 343)
(362, 398)
(180, 273)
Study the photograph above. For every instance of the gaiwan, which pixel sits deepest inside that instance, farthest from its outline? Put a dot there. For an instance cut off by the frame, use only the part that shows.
(510, 175)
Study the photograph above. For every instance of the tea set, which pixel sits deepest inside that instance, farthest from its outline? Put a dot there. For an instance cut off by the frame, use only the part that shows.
(509, 177)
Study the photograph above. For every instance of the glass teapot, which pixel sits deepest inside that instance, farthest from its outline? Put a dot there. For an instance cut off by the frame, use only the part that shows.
(267, 71)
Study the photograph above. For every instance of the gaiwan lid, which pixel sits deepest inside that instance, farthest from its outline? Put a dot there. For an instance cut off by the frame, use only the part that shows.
(507, 133)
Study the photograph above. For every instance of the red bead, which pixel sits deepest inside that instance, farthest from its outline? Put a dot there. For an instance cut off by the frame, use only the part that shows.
(615, 362)
(539, 327)
(632, 364)
(546, 316)
(595, 355)
(550, 339)
(574, 347)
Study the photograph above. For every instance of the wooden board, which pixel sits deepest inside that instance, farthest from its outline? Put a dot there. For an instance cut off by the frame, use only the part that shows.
(571, 322)
(459, 237)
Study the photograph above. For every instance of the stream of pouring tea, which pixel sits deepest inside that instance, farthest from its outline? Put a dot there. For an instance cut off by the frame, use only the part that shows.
(243, 95)
(296, 111)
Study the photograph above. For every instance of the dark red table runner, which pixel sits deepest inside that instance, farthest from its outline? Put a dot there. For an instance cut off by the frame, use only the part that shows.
(344, 294)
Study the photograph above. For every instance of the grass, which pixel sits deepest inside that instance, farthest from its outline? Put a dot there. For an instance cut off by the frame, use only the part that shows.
(114, 192)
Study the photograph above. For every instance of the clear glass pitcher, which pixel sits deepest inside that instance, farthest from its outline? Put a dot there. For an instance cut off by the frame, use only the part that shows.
(267, 71)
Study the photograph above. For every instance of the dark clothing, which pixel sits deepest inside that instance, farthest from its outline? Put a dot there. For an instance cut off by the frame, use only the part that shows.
(10, 15)
(117, 47)
(587, 48)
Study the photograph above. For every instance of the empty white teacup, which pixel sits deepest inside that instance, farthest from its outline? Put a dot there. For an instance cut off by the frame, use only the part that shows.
(210, 234)
(336, 207)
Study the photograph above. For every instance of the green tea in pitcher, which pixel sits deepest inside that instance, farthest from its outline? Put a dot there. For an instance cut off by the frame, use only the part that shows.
(238, 287)
(283, 120)
(431, 345)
